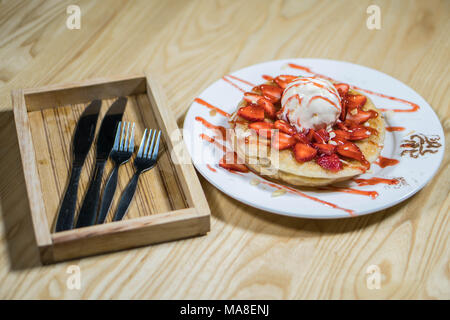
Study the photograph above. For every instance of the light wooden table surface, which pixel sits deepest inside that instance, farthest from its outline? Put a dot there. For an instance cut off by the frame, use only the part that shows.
(248, 253)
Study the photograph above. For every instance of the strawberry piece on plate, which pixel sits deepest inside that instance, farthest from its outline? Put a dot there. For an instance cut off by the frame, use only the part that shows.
(339, 140)
(252, 97)
(342, 88)
(321, 136)
(301, 138)
(252, 112)
(341, 134)
(269, 108)
(360, 116)
(355, 101)
(256, 99)
(230, 162)
(271, 93)
(262, 128)
(359, 133)
(285, 127)
(304, 152)
(310, 135)
(344, 109)
(282, 141)
(283, 80)
(325, 148)
(342, 126)
(351, 150)
(330, 162)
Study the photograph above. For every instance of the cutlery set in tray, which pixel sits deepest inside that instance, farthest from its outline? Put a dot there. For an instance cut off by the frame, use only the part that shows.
(116, 141)
(79, 141)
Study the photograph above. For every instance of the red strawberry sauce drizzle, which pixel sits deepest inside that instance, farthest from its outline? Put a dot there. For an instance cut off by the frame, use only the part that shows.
(374, 181)
(211, 168)
(221, 129)
(414, 106)
(326, 99)
(210, 106)
(384, 162)
(391, 129)
(241, 80)
(372, 194)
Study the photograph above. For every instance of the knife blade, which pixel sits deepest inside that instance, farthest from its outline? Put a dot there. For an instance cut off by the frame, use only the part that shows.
(81, 143)
(105, 142)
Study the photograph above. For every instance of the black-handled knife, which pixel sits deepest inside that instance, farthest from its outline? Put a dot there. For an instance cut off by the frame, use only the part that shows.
(105, 142)
(82, 141)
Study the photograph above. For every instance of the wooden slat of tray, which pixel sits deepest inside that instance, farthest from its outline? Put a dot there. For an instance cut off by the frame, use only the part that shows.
(52, 129)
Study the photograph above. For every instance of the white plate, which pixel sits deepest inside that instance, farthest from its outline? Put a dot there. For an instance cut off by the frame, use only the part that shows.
(412, 173)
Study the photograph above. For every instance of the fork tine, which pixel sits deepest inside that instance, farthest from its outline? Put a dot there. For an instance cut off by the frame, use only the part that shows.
(122, 136)
(156, 148)
(125, 144)
(116, 139)
(144, 155)
(150, 150)
(141, 146)
(131, 144)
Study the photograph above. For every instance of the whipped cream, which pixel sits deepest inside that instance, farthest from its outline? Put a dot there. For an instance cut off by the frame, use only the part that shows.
(310, 103)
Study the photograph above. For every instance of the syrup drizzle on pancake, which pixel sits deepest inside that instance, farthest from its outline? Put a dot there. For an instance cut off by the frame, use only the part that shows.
(414, 106)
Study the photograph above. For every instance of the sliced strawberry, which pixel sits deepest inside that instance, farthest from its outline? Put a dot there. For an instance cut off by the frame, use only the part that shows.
(359, 133)
(252, 112)
(256, 99)
(355, 101)
(304, 152)
(330, 162)
(252, 97)
(301, 138)
(282, 141)
(321, 136)
(342, 126)
(310, 135)
(361, 116)
(324, 148)
(230, 162)
(339, 140)
(262, 128)
(257, 88)
(351, 150)
(285, 127)
(344, 110)
(342, 88)
(271, 93)
(341, 134)
(283, 80)
(269, 108)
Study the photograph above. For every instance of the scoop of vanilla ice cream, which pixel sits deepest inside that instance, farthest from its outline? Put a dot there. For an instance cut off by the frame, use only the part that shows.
(310, 103)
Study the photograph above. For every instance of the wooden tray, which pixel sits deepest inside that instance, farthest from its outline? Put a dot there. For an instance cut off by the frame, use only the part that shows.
(169, 203)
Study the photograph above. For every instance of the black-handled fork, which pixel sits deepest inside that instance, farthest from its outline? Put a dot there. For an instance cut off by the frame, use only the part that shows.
(144, 161)
(121, 153)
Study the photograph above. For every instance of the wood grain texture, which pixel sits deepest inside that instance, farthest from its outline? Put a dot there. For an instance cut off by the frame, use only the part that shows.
(191, 44)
